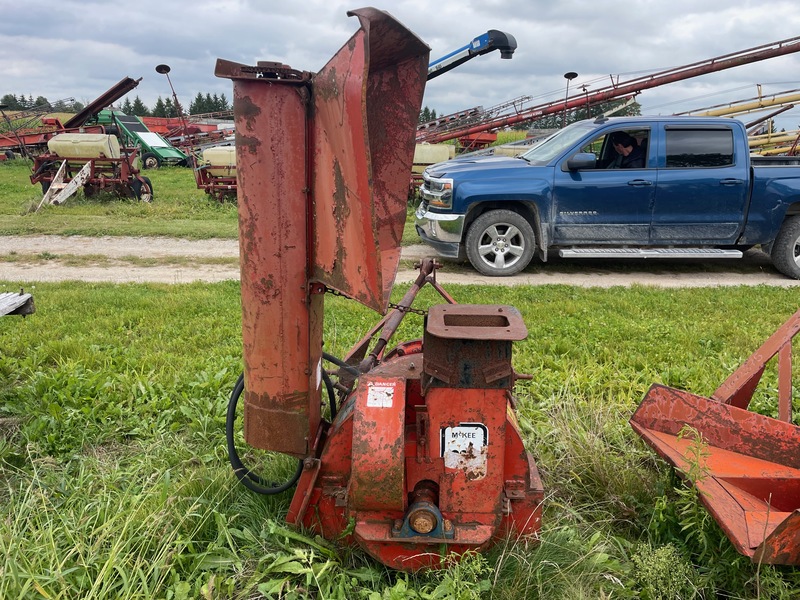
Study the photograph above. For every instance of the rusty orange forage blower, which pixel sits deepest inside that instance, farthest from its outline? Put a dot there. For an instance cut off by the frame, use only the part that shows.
(423, 457)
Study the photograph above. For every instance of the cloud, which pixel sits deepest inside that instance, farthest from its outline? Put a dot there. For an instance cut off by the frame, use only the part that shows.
(72, 48)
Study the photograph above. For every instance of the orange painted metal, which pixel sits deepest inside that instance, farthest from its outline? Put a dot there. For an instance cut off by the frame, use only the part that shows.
(281, 323)
(312, 162)
(424, 458)
(366, 104)
(405, 429)
(748, 463)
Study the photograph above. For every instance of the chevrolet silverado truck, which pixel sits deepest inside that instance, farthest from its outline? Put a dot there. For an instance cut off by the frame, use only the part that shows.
(699, 194)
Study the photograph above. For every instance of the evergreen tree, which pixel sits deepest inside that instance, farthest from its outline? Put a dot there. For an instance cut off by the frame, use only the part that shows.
(10, 100)
(127, 107)
(425, 115)
(41, 102)
(159, 110)
(169, 108)
(223, 103)
(197, 107)
(139, 108)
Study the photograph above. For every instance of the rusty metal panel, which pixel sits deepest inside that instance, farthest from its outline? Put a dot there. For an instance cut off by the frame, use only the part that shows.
(738, 388)
(278, 320)
(366, 103)
(378, 477)
(469, 345)
(749, 465)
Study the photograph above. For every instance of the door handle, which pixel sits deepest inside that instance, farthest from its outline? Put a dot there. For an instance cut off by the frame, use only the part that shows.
(731, 181)
(639, 183)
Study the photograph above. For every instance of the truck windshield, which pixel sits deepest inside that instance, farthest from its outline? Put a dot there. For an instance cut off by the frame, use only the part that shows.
(557, 143)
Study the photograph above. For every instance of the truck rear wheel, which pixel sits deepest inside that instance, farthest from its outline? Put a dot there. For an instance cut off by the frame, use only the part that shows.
(786, 248)
(500, 243)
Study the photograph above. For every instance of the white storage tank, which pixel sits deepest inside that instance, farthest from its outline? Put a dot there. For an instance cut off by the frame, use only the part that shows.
(430, 154)
(84, 145)
(220, 161)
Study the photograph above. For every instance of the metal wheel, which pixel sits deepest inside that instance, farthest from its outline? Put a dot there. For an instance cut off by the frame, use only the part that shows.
(500, 243)
(150, 161)
(143, 189)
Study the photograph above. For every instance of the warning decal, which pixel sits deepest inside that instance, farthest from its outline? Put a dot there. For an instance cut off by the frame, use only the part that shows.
(465, 447)
(380, 394)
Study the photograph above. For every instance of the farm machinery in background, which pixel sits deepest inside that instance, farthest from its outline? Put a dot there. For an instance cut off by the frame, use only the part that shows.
(33, 140)
(154, 149)
(92, 162)
(471, 125)
(420, 457)
(76, 154)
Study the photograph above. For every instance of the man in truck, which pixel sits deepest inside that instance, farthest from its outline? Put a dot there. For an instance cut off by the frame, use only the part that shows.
(630, 153)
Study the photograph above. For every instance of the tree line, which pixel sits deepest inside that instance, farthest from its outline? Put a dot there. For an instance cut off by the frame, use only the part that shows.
(201, 104)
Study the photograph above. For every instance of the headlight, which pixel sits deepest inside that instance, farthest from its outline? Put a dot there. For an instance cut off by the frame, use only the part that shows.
(438, 192)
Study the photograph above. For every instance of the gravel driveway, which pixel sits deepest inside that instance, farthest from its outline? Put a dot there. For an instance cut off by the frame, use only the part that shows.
(166, 260)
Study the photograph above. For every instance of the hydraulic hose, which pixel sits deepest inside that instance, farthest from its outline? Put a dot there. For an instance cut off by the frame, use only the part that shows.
(248, 478)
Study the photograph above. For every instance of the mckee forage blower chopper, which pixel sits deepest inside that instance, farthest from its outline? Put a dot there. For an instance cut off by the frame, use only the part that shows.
(424, 457)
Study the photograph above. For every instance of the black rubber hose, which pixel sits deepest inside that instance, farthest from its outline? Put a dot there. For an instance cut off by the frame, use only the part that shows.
(248, 478)
(340, 363)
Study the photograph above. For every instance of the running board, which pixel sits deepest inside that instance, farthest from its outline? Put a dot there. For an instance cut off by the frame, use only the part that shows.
(648, 253)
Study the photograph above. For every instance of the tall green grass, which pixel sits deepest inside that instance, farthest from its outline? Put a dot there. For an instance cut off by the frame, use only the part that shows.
(114, 480)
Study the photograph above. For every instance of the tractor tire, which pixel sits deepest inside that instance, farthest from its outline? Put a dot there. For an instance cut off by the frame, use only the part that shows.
(500, 243)
(150, 161)
(143, 189)
(785, 252)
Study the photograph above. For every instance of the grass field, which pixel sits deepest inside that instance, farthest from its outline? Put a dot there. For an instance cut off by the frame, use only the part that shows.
(114, 474)
(116, 482)
(179, 209)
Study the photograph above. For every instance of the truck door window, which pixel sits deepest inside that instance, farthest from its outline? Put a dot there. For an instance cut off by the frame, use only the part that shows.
(607, 156)
(699, 148)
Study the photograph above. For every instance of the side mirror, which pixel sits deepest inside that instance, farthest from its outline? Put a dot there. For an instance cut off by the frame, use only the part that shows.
(582, 160)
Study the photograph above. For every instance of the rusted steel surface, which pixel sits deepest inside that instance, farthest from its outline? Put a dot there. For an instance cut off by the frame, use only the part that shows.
(327, 135)
(738, 388)
(281, 324)
(469, 345)
(377, 479)
(749, 464)
(408, 474)
(366, 103)
(460, 447)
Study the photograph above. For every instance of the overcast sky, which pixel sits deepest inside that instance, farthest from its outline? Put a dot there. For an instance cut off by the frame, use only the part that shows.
(80, 48)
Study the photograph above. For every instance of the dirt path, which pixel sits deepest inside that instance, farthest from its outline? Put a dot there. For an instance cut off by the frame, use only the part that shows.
(118, 260)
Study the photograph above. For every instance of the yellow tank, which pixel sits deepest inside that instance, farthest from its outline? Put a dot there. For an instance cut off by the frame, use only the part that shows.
(429, 154)
(84, 145)
(220, 161)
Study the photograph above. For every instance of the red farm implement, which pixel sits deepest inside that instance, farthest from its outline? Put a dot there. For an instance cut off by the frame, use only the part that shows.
(748, 463)
(91, 162)
(423, 457)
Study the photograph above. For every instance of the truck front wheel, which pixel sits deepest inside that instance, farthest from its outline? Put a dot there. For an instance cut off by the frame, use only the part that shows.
(500, 243)
(786, 248)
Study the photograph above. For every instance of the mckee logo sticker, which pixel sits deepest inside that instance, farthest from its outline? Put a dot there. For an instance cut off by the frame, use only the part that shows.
(465, 447)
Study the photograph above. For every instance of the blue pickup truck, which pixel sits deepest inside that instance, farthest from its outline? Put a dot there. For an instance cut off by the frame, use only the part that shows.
(694, 192)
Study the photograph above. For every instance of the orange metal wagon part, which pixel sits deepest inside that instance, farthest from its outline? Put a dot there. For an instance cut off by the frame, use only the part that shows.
(750, 463)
